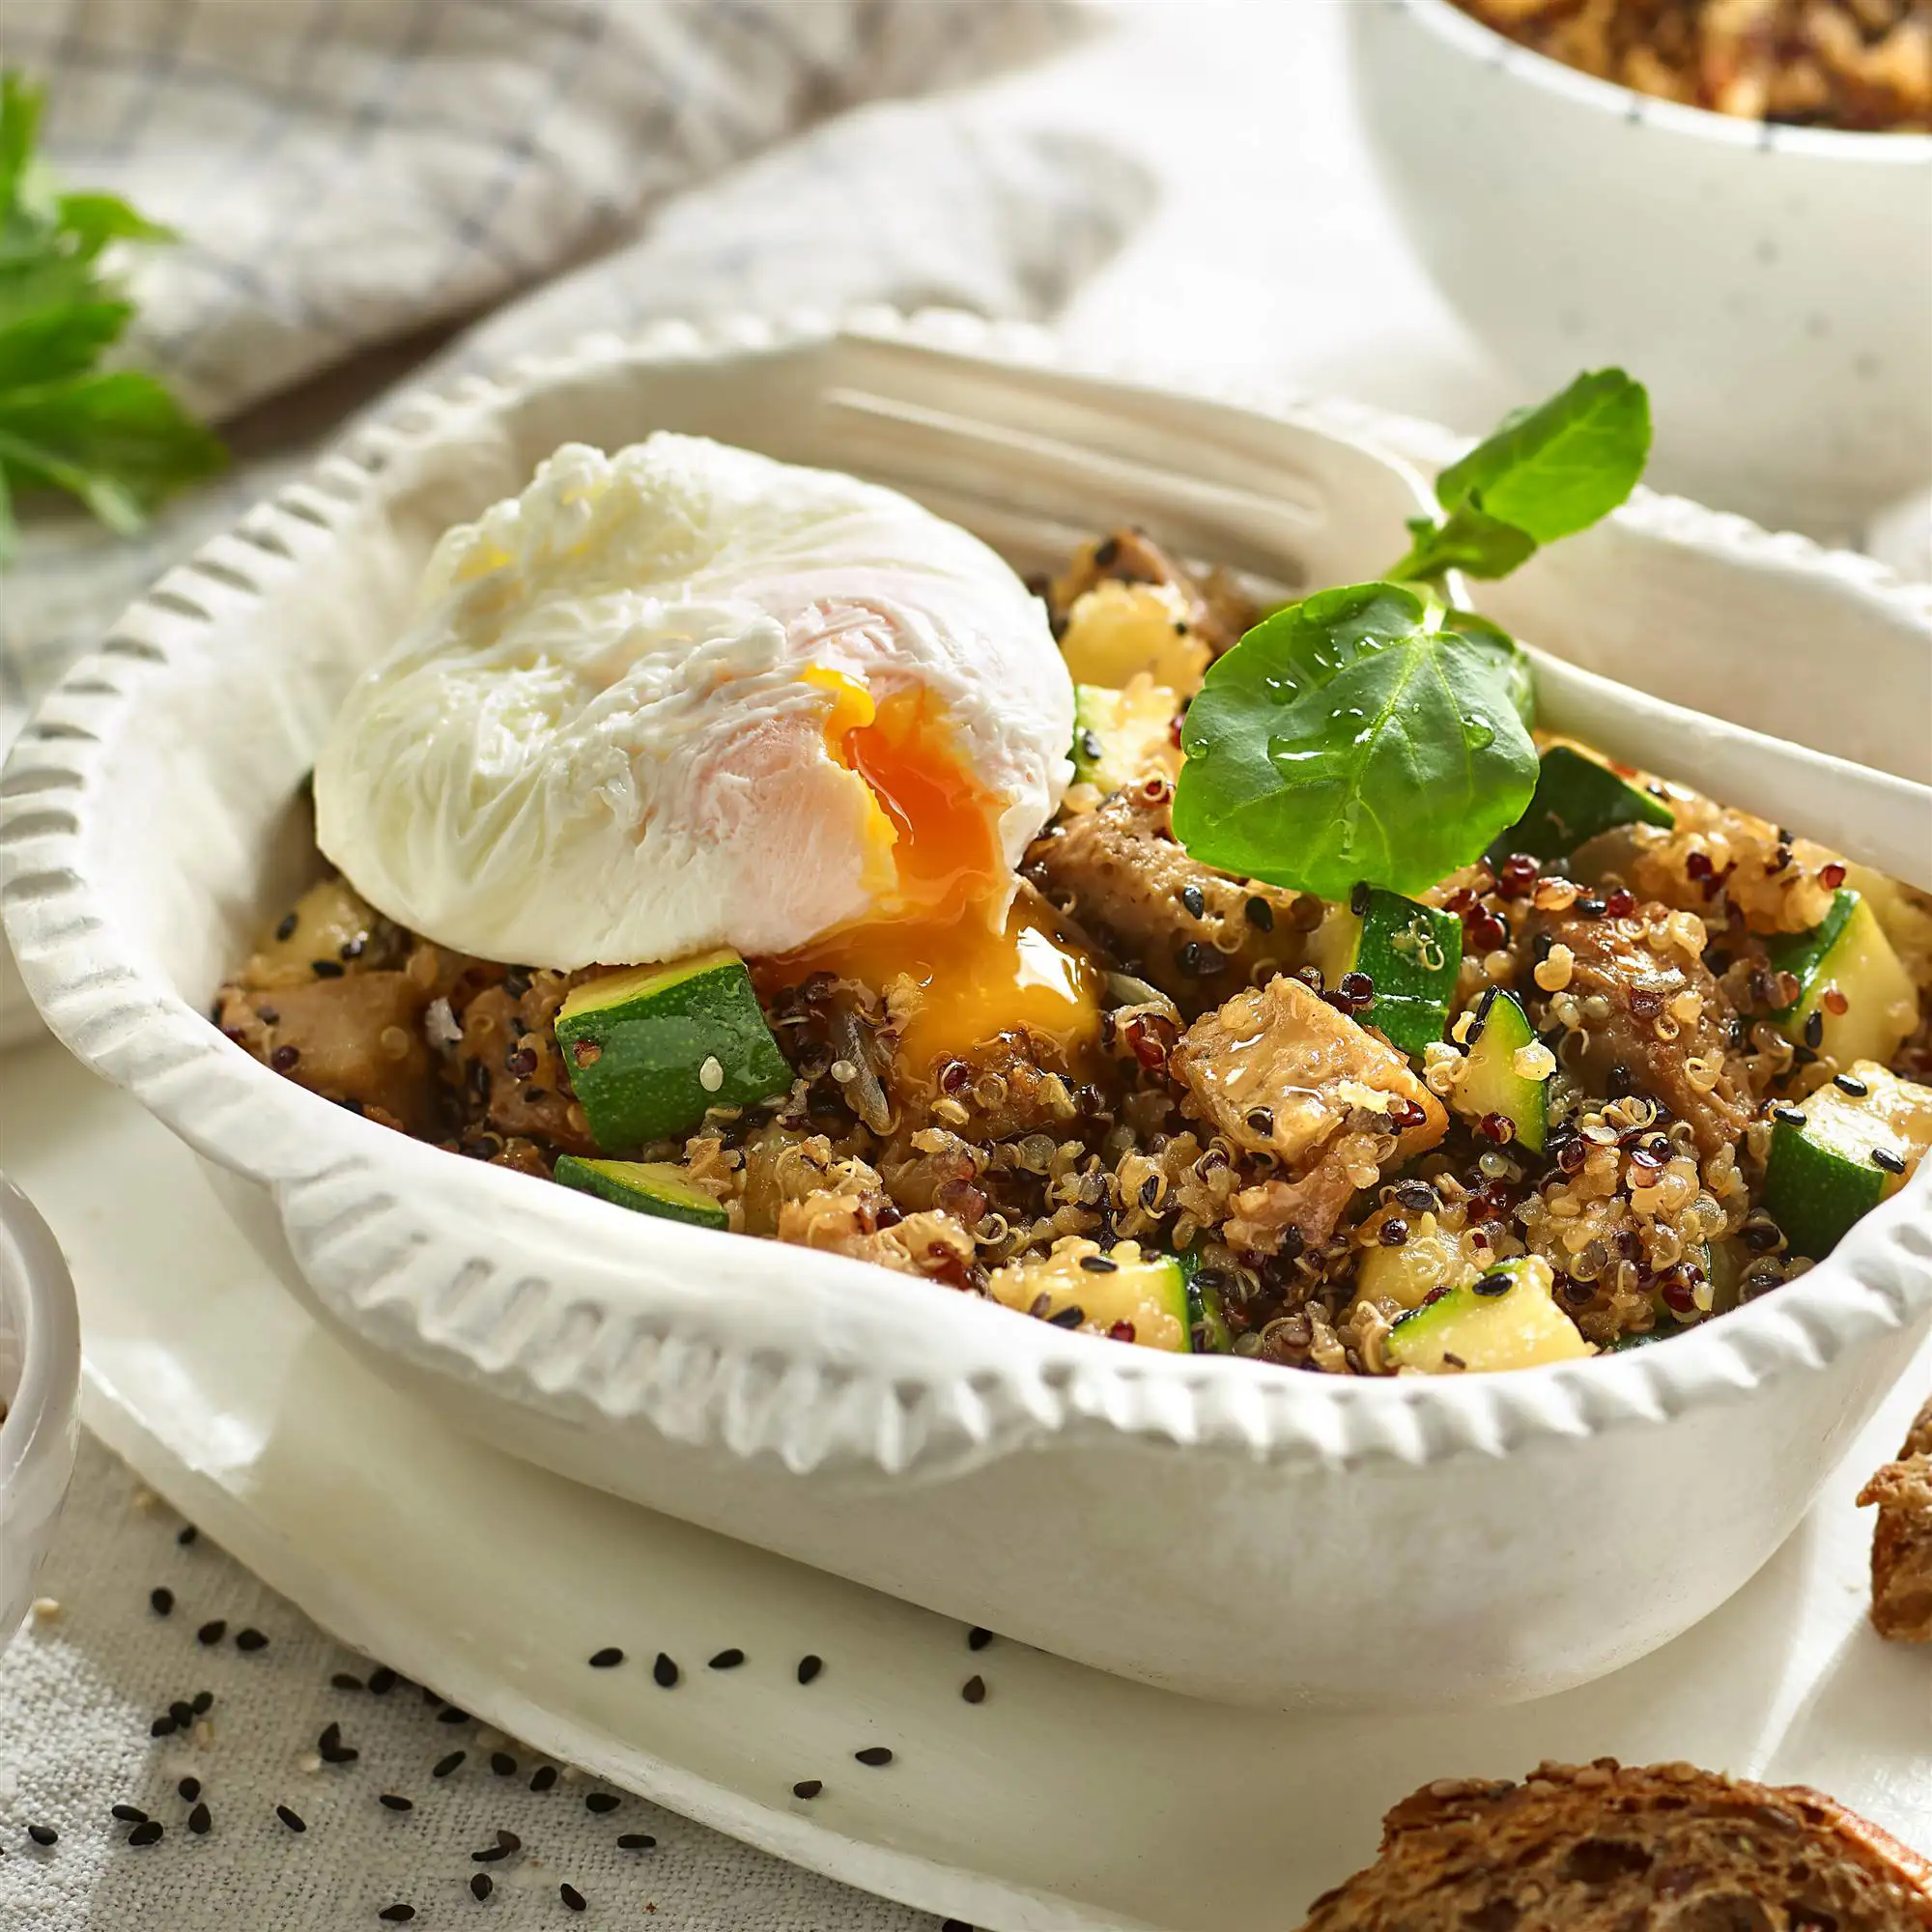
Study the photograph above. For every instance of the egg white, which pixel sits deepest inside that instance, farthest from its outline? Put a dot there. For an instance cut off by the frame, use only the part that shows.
(597, 743)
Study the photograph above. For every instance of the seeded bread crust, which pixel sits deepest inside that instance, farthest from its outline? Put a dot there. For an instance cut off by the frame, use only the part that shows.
(1607, 1848)
(1901, 1607)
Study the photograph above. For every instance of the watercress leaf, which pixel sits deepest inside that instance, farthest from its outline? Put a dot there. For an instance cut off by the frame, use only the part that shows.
(20, 122)
(1471, 540)
(1510, 661)
(94, 220)
(1556, 469)
(116, 440)
(1362, 734)
(57, 339)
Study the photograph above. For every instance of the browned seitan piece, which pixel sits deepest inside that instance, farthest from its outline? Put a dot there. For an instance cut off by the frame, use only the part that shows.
(1278, 1071)
(509, 1059)
(1651, 1029)
(1197, 934)
(355, 1038)
(1608, 1848)
(1901, 1563)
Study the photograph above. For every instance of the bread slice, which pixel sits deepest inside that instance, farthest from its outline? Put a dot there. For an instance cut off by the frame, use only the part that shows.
(1901, 1605)
(1605, 1848)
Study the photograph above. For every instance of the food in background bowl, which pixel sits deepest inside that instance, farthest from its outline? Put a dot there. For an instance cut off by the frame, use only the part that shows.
(1866, 66)
(723, 858)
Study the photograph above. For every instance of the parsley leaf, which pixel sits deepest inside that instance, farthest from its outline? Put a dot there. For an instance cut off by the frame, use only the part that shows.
(114, 439)
(1365, 733)
(1547, 472)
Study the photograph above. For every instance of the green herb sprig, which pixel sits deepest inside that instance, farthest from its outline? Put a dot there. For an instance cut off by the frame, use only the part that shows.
(1374, 733)
(116, 439)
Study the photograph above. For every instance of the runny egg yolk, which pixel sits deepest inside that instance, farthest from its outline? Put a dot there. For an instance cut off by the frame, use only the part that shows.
(941, 868)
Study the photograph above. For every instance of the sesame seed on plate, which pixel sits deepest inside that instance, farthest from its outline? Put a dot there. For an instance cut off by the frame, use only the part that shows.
(148, 1833)
(163, 1727)
(382, 1680)
(198, 1821)
(503, 1764)
(398, 1913)
(250, 1640)
(637, 1841)
(808, 1787)
(445, 1765)
(480, 1887)
(727, 1660)
(394, 1801)
(977, 1640)
(571, 1896)
(293, 1820)
(601, 1801)
(345, 1680)
(974, 1690)
(162, 1600)
(189, 1789)
(809, 1667)
(43, 1834)
(451, 1715)
(607, 1659)
(543, 1777)
(212, 1631)
(187, 1534)
(665, 1670)
(128, 1814)
(875, 1755)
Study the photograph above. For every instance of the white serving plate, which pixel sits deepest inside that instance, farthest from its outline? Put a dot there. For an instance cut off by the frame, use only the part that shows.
(1068, 1799)
(1500, 1534)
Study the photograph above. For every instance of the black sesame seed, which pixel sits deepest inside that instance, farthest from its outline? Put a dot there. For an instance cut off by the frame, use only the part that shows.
(293, 1820)
(1847, 1083)
(43, 1834)
(198, 1821)
(571, 1896)
(495, 1854)
(809, 1667)
(665, 1670)
(202, 1703)
(187, 1534)
(212, 1631)
(1499, 1283)
(808, 1787)
(503, 1764)
(394, 1801)
(955, 1925)
(284, 1056)
(873, 1756)
(189, 1789)
(351, 949)
(1814, 1030)
(637, 1841)
(543, 1777)
(727, 1660)
(148, 1833)
(607, 1659)
(341, 1754)
(128, 1814)
(1091, 747)
(1789, 1116)
(382, 1680)
(1099, 1265)
(250, 1640)
(974, 1690)
(162, 1600)
(444, 1766)
(1069, 1317)
(162, 1727)
(451, 1715)
(480, 1887)
(1192, 899)
(398, 1913)
(285, 926)
(331, 1735)
(977, 1640)
(182, 1712)
(1198, 959)
(344, 1680)
(328, 969)
(1892, 1163)
(1259, 915)
(600, 1802)
(1417, 1195)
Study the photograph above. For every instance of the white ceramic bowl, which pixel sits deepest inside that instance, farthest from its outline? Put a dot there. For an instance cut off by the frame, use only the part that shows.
(1772, 285)
(1208, 1524)
(40, 1387)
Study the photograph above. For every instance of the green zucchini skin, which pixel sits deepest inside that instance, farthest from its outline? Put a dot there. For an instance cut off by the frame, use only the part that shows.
(1490, 1083)
(1410, 952)
(645, 1188)
(651, 1051)
(1207, 1328)
(1848, 951)
(1576, 798)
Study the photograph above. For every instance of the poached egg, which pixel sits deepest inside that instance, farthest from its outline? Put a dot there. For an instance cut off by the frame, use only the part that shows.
(686, 696)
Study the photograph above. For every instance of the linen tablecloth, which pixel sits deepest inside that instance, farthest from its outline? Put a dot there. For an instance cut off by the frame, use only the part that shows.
(348, 174)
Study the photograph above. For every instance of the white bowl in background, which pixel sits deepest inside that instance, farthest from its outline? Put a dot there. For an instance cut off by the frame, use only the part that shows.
(1211, 1524)
(40, 1388)
(1772, 285)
